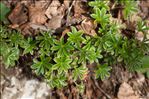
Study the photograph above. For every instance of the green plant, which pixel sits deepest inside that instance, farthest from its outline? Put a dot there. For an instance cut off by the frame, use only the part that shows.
(117, 48)
(103, 71)
(41, 66)
(4, 10)
(79, 72)
(141, 26)
(28, 45)
(145, 64)
(62, 64)
(88, 53)
(16, 38)
(57, 81)
(99, 4)
(45, 40)
(130, 7)
(75, 37)
(9, 54)
(61, 47)
(101, 16)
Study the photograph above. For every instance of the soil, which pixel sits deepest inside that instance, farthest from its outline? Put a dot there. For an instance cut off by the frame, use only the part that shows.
(32, 16)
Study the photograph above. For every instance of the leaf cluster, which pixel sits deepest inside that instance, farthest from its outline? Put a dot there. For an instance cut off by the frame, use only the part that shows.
(114, 46)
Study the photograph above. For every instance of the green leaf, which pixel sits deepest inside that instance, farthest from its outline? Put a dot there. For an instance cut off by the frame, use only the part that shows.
(62, 64)
(46, 41)
(16, 38)
(101, 17)
(4, 10)
(141, 26)
(88, 53)
(75, 37)
(44, 52)
(3, 48)
(99, 4)
(41, 66)
(62, 48)
(57, 81)
(10, 55)
(79, 72)
(29, 45)
(103, 71)
(3, 32)
(144, 65)
(130, 8)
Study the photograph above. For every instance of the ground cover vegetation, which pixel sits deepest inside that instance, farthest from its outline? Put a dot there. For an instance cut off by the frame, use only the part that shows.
(62, 59)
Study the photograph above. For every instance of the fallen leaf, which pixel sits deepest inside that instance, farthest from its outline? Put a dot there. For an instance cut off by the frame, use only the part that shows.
(88, 27)
(52, 10)
(37, 14)
(67, 3)
(126, 92)
(139, 36)
(18, 15)
(65, 32)
(79, 9)
(14, 26)
(55, 22)
(32, 29)
(26, 29)
(144, 6)
(38, 27)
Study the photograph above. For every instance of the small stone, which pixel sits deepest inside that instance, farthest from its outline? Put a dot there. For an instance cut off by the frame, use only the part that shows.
(126, 92)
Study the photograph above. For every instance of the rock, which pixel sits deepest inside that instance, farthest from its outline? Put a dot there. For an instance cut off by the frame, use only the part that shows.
(126, 92)
(26, 89)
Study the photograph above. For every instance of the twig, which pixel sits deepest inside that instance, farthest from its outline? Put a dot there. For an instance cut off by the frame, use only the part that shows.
(41, 27)
(68, 12)
(96, 84)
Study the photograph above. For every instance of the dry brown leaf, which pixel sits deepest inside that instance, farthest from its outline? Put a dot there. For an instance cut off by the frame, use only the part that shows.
(88, 27)
(25, 29)
(139, 36)
(32, 29)
(65, 32)
(53, 9)
(25, 2)
(38, 27)
(126, 92)
(67, 3)
(37, 14)
(55, 22)
(55, 13)
(18, 16)
(145, 3)
(14, 26)
(78, 9)
(144, 6)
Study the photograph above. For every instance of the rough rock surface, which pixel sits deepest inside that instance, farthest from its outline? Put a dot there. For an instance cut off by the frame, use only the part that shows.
(25, 89)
